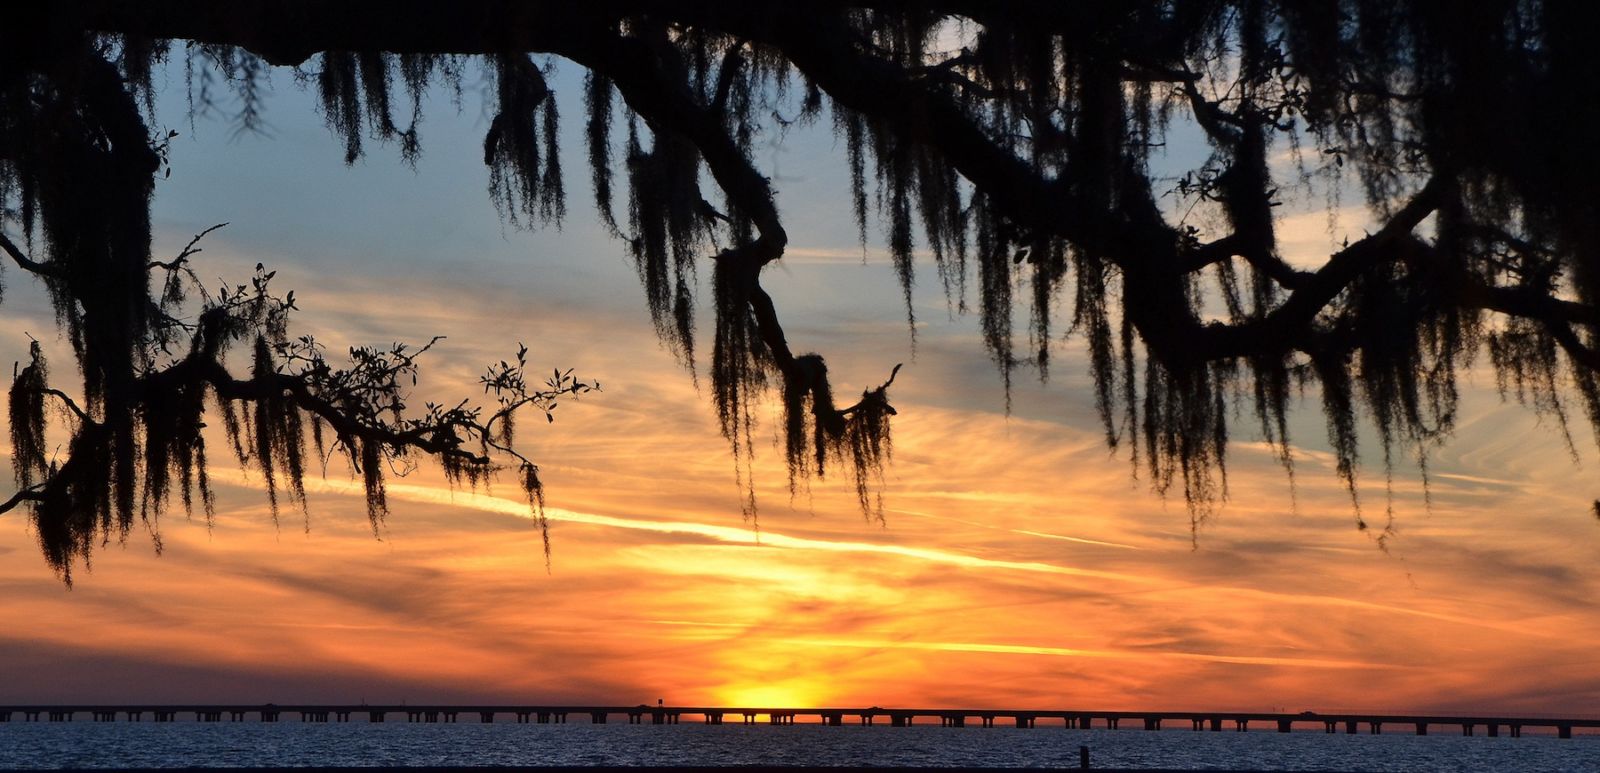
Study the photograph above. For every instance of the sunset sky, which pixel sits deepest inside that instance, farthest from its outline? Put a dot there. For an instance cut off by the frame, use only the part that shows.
(1020, 564)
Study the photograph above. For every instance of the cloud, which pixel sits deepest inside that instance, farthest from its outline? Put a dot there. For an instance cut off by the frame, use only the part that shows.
(728, 534)
(1141, 655)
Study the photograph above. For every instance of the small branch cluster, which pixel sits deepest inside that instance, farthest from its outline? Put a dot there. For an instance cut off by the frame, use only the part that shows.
(157, 445)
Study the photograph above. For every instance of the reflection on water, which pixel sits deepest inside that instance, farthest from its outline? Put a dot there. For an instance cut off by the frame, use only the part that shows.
(87, 744)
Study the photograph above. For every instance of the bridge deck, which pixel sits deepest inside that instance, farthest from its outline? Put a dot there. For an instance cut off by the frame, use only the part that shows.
(899, 716)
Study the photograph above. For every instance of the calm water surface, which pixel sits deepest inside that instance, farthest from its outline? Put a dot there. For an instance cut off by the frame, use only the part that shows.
(247, 744)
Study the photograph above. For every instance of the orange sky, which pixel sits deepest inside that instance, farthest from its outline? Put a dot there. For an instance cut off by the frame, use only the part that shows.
(1020, 564)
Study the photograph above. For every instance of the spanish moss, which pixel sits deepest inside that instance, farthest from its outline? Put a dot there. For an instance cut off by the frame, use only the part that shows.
(1011, 145)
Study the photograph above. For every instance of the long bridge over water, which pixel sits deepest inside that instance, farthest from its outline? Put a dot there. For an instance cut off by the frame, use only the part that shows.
(1214, 721)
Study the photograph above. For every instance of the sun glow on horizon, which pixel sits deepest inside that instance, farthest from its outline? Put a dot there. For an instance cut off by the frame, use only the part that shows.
(957, 605)
(796, 693)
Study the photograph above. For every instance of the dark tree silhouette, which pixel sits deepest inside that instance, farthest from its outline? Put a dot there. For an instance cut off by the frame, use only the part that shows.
(1020, 157)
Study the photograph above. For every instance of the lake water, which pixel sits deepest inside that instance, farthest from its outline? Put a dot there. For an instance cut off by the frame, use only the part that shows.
(248, 744)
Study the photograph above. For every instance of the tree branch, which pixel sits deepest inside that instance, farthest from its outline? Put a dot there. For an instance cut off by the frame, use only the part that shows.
(1213, 252)
(70, 403)
(30, 494)
(187, 251)
(881, 388)
(27, 263)
(668, 107)
(1279, 329)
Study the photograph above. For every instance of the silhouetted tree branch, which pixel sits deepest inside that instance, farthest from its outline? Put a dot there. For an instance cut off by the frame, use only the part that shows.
(1019, 155)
